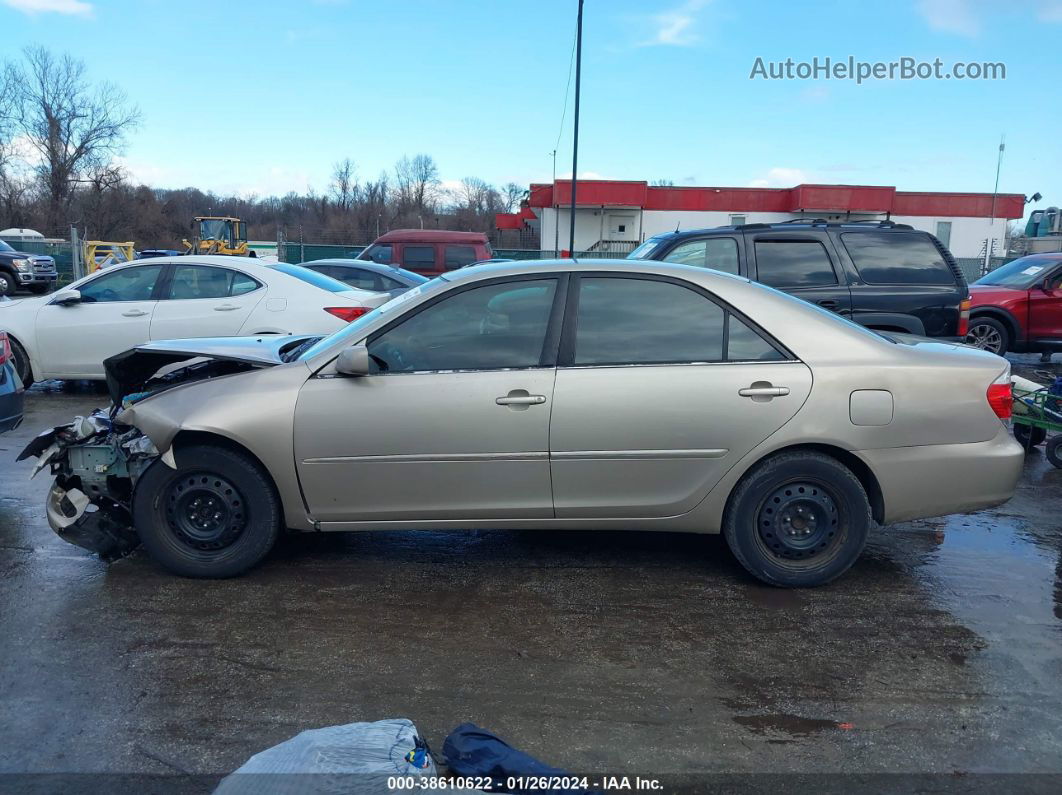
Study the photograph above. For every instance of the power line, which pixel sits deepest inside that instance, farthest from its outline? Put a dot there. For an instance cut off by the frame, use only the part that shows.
(567, 89)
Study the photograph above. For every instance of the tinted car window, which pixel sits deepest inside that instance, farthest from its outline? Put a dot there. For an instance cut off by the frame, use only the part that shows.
(355, 277)
(380, 253)
(719, 253)
(897, 258)
(312, 277)
(745, 345)
(793, 263)
(127, 284)
(418, 256)
(485, 328)
(199, 281)
(390, 284)
(459, 256)
(639, 321)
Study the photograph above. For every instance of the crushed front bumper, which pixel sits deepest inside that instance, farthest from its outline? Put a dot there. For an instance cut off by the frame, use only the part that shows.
(105, 529)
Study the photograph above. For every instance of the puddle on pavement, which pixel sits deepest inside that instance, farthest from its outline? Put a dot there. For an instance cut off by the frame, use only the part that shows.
(792, 725)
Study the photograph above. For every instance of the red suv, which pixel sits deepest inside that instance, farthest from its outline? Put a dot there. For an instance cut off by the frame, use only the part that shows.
(1018, 307)
(428, 251)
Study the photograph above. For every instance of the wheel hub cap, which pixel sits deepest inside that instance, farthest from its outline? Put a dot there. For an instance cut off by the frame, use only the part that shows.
(798, 520)
(205, 511)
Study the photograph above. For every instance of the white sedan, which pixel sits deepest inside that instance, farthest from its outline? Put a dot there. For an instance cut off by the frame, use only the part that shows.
(68, 334)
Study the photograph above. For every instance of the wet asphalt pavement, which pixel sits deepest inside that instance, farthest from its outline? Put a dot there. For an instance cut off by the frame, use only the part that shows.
(610, 653)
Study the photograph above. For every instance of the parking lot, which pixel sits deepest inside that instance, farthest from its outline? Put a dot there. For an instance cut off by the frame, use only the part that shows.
(612, 653)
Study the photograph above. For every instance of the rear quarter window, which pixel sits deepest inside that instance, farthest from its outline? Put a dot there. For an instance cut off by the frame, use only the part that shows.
(897, 258)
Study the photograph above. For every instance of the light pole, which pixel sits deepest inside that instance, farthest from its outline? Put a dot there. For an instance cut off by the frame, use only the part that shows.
(575, 133)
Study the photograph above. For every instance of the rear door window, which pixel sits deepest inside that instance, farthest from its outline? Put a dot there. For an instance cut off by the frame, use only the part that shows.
(718, 253)
(789, 264)
(459, 256)
(897, 258)
(422, 257)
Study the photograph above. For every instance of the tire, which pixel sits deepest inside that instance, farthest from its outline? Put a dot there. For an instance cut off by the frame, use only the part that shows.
(8, 284)
(172, 513)
(1029, 436)
(1054, 450)
(988, 334)
(797, 520)
(39, 289)
(22, 363)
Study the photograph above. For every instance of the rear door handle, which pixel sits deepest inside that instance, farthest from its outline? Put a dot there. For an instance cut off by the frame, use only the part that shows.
(134, 313)
(520, 400)
(225, 308)
(764, 391)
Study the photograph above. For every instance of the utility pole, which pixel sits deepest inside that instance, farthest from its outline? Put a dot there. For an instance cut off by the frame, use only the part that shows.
(75, 253)
(556, 210)
(986, 266)
(575, 133)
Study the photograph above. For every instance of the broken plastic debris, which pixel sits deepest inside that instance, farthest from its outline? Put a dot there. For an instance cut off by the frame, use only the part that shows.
(59, 514)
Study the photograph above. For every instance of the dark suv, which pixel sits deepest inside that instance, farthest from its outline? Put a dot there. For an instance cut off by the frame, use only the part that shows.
(884, 275)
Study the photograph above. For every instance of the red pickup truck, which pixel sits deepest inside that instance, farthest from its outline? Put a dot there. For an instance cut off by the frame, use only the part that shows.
(1018, 307)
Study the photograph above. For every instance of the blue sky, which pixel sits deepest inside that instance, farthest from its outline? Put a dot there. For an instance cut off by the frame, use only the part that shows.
(262, 97)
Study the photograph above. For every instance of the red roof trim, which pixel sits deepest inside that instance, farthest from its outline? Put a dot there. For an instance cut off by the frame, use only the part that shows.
(822, 198)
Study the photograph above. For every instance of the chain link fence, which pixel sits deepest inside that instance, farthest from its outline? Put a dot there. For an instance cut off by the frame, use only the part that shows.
(61, 252)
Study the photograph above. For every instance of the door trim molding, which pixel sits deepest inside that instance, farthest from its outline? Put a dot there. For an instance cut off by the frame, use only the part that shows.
(586, 455)
(429, 458)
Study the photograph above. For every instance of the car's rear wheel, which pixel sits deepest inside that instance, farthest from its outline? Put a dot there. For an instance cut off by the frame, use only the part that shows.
(216, 515)
(1029, 435)
(988, 334)
(798, 519)
(22, 363)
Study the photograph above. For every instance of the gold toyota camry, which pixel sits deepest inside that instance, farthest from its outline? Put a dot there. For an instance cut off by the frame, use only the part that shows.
(591, 395)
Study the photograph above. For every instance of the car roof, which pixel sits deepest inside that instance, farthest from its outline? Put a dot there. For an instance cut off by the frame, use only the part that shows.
(492, 270)
(799, 223)
(430, 236)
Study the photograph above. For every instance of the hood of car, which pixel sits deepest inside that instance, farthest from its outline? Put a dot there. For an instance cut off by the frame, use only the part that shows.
(150, 367)
(993, 294)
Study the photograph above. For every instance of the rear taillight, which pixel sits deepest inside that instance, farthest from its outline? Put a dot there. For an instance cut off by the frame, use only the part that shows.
(964, 317)
(5, 349)
(1001, 398)
(347, 313)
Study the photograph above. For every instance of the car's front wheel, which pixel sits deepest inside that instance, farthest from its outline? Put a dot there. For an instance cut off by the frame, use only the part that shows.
(798, 519)
(22, 363)
(8, 285)
(217, 515)
(988, 334)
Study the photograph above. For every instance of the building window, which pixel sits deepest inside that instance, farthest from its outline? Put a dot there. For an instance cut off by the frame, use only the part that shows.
(944, 233)
(737, 220)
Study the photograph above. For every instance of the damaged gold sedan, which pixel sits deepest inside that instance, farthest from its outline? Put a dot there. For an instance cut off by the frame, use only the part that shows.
(540, 395)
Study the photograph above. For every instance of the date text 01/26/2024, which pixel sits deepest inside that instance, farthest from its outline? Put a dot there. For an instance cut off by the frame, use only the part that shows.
(526, 783)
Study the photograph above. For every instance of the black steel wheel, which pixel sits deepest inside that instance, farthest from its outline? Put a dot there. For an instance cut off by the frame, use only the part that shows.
(797, 519)
(216, 515)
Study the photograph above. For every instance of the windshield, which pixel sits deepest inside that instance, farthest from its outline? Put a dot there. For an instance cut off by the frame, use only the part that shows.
(313, 277)
(5, 247)
(645, 249)
(1021, 273)
(352, 332)
(213, 230)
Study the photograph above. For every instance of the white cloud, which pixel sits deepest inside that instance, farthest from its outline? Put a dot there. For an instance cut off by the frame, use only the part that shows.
(1051, 11)
(780, 177)
(951, 16)
(70, 7)
(676, 27)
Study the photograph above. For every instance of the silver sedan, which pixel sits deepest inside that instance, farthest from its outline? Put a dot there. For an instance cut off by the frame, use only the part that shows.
(542, 395)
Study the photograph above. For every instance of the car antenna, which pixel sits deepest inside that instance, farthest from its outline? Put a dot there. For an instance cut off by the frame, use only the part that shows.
(677, 225)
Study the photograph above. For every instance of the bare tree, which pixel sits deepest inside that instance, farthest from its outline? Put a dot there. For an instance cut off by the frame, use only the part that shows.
(663, 183)
(72, 126)
(417, 183)
(344, 184)
(511, 196)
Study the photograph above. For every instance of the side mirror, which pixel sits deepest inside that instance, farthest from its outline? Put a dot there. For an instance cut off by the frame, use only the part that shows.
(67, 297)
(353, 361)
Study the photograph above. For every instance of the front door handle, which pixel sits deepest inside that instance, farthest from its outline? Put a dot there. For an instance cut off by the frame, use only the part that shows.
(520, 400)
(225, 308)
(829, 303)
(134, 313)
